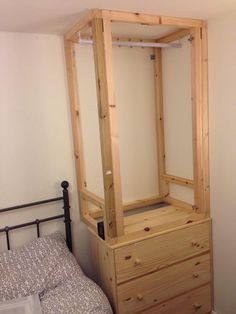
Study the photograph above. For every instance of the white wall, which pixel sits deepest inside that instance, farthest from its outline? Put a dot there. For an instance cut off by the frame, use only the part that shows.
(176, 68)
(222, 101)
(135, 99)
(35, 134)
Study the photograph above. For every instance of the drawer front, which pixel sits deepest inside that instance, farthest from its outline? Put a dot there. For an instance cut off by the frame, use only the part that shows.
(197, 301)
(141, 293)
(158, 252)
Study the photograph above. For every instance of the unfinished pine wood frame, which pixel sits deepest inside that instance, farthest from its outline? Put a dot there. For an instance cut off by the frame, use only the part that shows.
(112, 207)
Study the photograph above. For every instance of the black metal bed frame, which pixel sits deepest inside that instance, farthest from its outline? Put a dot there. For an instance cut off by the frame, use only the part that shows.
(37, 222)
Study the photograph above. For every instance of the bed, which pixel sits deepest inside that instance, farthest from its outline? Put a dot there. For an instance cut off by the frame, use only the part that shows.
(46, 267)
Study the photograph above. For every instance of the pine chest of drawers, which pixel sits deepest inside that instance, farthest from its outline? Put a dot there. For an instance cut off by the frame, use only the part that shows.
(168, 272)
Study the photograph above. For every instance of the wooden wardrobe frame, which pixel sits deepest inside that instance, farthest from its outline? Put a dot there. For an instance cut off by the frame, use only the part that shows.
(112, 207)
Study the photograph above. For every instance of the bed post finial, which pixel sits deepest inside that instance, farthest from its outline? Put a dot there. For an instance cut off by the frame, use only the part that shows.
(66, 208)
(65, 185)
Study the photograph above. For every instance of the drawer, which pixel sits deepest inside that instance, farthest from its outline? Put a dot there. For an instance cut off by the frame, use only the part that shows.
(158, 252)
(197, 301)
(141, 293)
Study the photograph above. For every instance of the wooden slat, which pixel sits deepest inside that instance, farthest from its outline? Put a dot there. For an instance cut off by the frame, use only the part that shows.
(127, 206)
(75, 120)
(174, 36)
(181, 22)
(163, 186)
(83, 22)
(147, 19)
(178, 180)
(108, 127)
(92, 198)
(178, 203)
(131, 17)
(196, 62)
(142, 203)
(90, 222)
(205, 145)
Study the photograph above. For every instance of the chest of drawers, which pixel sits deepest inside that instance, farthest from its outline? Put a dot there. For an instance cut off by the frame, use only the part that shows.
(169, 272)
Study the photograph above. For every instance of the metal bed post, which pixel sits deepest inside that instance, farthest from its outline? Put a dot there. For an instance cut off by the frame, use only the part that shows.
(67, 220)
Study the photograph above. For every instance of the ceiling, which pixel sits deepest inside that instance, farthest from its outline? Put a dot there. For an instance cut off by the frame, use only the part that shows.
(57, 16)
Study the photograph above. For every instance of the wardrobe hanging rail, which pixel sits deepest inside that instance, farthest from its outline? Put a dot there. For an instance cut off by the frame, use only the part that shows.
(135, 44)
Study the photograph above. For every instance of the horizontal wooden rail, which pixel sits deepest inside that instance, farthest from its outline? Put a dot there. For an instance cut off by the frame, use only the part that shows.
(178, 180)
(174, 36)
(181, 22)
(99, 202)
(142, 203)
(178, 203)
(90, 222)
(129, 17)
(92, 198)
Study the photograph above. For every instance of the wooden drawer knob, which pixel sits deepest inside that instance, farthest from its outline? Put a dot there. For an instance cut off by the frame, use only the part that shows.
(137, 261)
(139, 296)
(197, 306)
(195, 275)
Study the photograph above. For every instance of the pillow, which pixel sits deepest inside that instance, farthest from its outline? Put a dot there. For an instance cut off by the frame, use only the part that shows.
(36, 267)
(26, 305)
(76, 295)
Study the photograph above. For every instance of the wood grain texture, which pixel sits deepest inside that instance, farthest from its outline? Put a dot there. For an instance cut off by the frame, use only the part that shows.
(150, 222)
(178, 180)
(138, 294)
(197, 114)
(196, 301)
(131, 17)
(181, 22)
(205, 114)
(103, 262)
(161, 251)
(126, 207)
(147, 19)
(178, 203)
(113, 214)
(163, 184)
(174, 36)
(76, 125)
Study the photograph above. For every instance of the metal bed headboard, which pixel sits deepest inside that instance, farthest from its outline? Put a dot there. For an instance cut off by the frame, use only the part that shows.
(37, 222)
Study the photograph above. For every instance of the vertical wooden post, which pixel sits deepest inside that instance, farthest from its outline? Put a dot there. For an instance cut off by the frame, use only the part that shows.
(163, 185)
(197, 114)
(205, 147)
(102, 39)
(76, 128)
